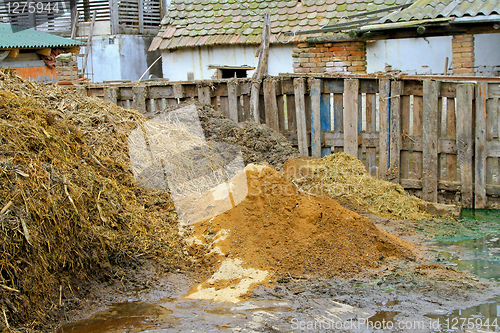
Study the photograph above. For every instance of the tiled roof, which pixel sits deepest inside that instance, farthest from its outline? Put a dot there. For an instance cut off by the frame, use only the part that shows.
(220, 22)
(20, 38)
(432, 9)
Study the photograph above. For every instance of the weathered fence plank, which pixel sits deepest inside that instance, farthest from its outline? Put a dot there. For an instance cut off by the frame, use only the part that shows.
(395, 131)
(351, 88)
(315, 85)
(480, 141)
(300, 112)
(139, 98)
(430, 141)
(384, 93)
(271, 105)
(232, 96)
(464, 142)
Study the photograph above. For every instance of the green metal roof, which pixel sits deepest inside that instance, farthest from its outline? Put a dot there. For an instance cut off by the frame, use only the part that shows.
(22, 38)
(433, 9)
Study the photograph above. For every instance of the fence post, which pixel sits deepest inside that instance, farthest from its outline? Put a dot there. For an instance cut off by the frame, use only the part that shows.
(351, 94)
(111, 94)
(315, 85)
(204, 94)
(395, 131)
(430, 140)
(232, 97)
(113, 16)
(481, 153)
(465, 95)
(139, 101)
(270, 103)
(384, 93)
(141, 15)
(300, 112)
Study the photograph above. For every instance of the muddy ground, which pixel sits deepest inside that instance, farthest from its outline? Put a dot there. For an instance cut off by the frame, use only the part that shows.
(395, 297)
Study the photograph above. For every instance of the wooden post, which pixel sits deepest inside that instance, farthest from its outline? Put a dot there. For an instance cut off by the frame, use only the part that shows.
(139, 98)
(395, 131)
(430, 140)
(113, 16)
(141, 15)
(315, 85)
(300, 110)
(465, 96)
(204, 94)
(178, 90)
(261, 68)
(384, 92)
(481, 152)
(232, 95)
(111, 94)
(270, 103)
(351, 88)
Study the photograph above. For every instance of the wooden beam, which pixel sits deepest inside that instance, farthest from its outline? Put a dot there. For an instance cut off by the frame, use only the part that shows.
(465, 144)
(315, 86)
(13, 53)
(384, 92)
(480, 140)
(261, 68)
(270, 103)
(395, 131)
(45, 52)
(351, 88)
(300, 111)
(430, 141)
(232, 95)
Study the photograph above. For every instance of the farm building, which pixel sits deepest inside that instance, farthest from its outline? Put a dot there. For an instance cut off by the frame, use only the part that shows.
(116, 33)
(32, 53)
(203, 39)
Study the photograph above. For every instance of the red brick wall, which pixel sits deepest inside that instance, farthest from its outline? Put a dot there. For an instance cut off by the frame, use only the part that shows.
(346, 57)
(463, 55)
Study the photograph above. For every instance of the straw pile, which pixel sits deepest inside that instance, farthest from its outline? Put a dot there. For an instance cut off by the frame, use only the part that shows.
(344, 178)
(69, 207)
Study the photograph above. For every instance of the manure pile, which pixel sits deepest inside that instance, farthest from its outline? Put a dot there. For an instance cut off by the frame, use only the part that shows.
(69, 206)
(278, 231)
(344, 178)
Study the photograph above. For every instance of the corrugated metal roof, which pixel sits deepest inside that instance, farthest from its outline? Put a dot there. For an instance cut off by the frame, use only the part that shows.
(240, 22)
(432, 9)
(22, 38)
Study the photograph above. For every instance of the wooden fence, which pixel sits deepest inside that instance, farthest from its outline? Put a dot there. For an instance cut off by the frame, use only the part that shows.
(439, 139)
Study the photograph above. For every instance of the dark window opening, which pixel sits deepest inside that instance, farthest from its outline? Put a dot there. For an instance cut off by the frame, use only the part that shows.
(231, 73)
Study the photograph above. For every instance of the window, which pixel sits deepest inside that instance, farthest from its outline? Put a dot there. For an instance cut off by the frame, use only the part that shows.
(228, 72)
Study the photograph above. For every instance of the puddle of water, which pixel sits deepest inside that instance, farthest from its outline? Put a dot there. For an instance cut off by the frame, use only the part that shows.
(382, 317)
(480, 256)
(484, 316)
(122, 317)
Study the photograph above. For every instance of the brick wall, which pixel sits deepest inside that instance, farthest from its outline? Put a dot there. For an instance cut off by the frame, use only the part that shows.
(463, 55)
(67, 70)
(346, 57)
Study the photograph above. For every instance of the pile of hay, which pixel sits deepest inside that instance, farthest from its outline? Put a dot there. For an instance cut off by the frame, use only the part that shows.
(69, 206)
(344, 178)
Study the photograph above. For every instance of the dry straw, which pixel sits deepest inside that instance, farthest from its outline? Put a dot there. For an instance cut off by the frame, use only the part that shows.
(69, 207)
(345, 178)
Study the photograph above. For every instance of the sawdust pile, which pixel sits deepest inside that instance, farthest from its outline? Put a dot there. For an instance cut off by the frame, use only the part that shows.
(259, 144)
(69, 206)
(344, 178)
(285, 232)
